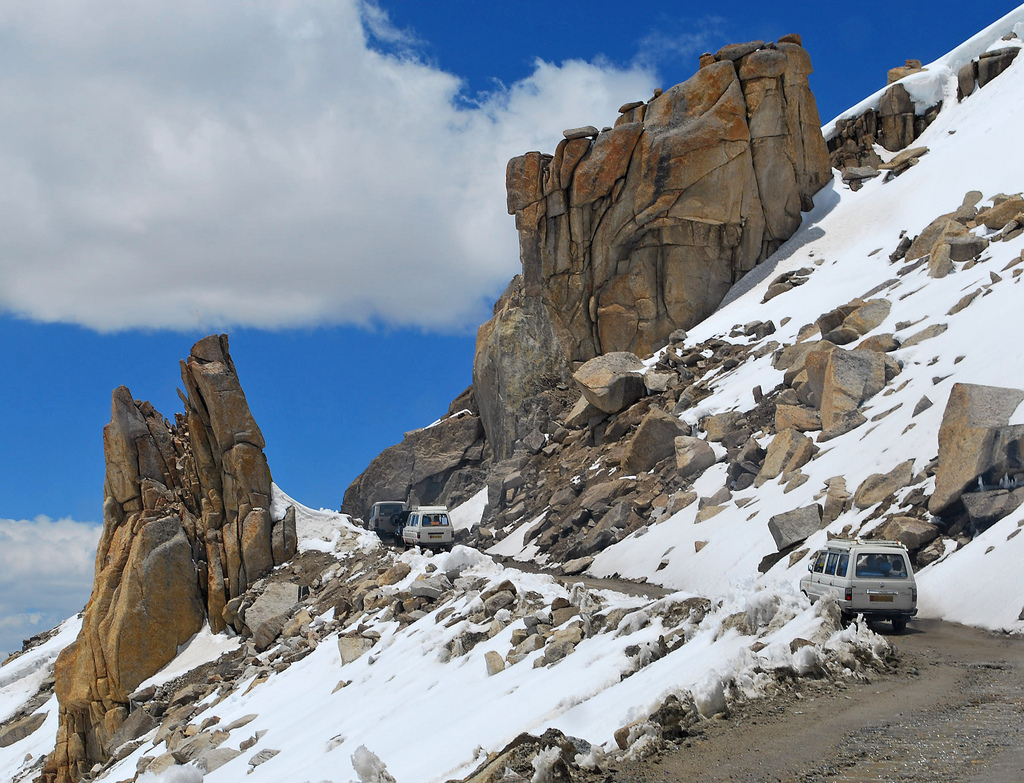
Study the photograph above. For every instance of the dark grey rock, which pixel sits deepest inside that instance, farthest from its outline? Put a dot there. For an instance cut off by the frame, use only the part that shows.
(794, 526)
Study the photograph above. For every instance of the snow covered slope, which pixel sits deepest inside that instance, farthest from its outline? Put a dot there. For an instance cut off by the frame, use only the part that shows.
(847, 240)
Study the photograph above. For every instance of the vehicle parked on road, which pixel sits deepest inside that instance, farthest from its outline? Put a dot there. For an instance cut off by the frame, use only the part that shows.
(385, 519)
(429, 527)
(872, 578)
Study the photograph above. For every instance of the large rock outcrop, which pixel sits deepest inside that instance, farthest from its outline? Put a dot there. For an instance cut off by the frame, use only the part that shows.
(186, 527)
(631, 233)
(437, 464)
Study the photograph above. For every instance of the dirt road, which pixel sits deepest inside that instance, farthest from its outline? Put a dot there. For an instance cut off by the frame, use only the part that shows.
(953, 711)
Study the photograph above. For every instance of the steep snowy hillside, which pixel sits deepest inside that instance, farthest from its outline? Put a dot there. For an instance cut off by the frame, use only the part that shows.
(377, 665)
(845, 246)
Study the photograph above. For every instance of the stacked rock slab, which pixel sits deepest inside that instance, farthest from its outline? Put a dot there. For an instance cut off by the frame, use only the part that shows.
(186, 527)
(640, 230)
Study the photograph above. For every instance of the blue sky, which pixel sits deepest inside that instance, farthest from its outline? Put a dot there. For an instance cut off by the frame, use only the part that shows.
(323, 181)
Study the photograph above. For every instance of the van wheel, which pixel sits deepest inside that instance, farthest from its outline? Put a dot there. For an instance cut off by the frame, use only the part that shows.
(899, 624)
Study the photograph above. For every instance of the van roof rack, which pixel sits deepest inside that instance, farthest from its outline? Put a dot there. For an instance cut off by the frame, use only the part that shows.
(846, 543)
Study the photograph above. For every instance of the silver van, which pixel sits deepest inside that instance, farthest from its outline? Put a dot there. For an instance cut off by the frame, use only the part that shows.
(385, 519)
(429, 527)
(872, 578)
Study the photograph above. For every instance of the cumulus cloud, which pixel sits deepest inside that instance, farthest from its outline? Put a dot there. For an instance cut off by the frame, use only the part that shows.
(272, 164)
(46, 574)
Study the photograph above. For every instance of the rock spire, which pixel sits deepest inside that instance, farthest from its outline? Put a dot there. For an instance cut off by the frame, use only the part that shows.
(186, 527)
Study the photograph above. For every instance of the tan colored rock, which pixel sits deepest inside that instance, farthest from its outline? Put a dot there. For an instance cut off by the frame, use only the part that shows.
(581, 413)
(975, 440)
(184, 517)
(879, 486)
(938, 231)
(708, 512)
(612, 382)
(810, 383)
(796, 417)
(721, 424)
(353, 647)
(495, 663)
(997, 217)
(837, 499)
(693, 456)
(913, 533)
(394, 574)
(882, 343)
(851, 378)
(925, 334)
(789, 451)
(654, 441)
(868, 316)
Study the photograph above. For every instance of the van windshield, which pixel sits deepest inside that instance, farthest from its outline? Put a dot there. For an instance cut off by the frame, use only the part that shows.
(435, 519)
(387, 509)
(881, 566)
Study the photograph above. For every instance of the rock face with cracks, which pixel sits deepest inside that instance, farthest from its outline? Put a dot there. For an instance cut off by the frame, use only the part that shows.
(628, 236)
(186, 528)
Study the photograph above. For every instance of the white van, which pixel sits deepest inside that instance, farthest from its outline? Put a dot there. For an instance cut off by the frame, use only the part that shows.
(428, 526)
(872, 578)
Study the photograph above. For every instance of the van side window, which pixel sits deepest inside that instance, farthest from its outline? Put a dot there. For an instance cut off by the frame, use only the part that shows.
(844, 561)
(830, 566)
(819, 564)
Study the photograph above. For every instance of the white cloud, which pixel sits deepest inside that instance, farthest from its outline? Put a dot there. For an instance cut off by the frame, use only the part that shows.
(271, 164)
(46, 573)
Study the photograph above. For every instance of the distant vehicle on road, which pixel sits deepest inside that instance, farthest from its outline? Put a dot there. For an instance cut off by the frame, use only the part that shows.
(872, 578)
(386, 520)
(429, 527)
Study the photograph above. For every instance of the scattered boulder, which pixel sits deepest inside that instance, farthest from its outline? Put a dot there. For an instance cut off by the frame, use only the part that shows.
(975, 442)
(612, 382)
(19, 729)
(837, 499)
(796, 417)
(654, 441)
(353, 647)
(693, 456)
(996, 217)
(720, 425)
(925, 334)
(789, 451)
(912, 532)
(794, 526)
(987, 507)
(879, 486)
(851, 378)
